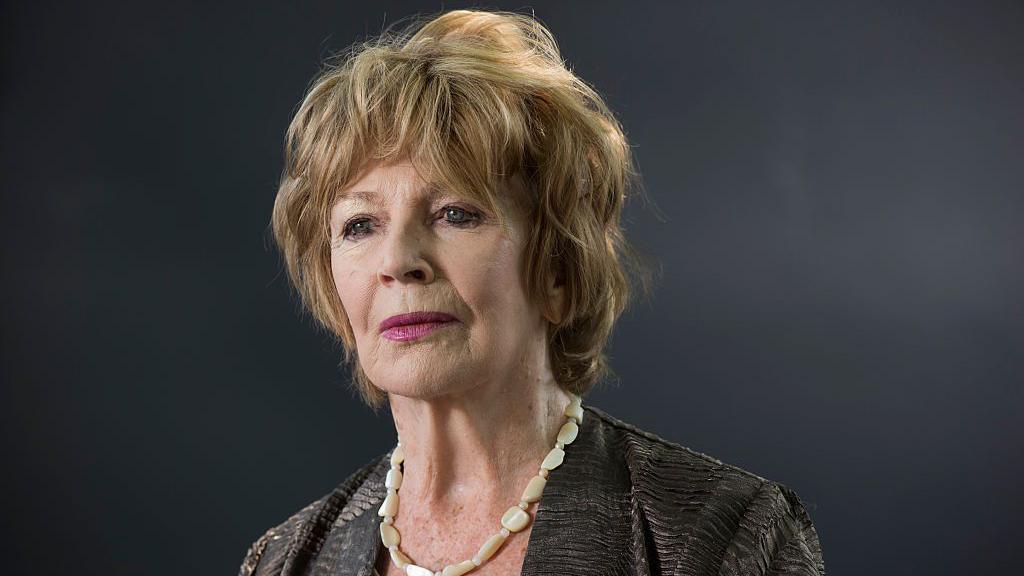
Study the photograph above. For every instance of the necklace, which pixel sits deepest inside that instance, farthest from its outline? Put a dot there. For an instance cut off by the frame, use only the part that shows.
(515, 518)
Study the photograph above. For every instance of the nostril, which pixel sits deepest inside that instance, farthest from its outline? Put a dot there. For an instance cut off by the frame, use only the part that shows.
(417, 274)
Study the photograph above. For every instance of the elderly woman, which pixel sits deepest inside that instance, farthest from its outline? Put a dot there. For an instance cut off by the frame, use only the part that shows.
(450, 210)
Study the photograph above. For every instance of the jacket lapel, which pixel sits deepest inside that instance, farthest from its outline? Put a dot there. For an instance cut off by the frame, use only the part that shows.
(352, 543)
(583, 521)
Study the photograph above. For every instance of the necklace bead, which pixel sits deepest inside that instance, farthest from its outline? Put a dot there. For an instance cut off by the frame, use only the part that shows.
(515, 519)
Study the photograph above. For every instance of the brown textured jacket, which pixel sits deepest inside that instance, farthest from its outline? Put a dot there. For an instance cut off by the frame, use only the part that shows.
(624, 502)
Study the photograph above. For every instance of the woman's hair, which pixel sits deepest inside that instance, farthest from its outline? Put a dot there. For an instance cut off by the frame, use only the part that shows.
(470, 98)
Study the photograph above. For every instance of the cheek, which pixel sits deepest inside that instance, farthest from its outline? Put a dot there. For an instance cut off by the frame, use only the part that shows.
(490, 280)
(352, 290)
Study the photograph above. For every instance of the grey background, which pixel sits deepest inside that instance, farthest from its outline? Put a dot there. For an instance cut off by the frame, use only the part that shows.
(839, 310)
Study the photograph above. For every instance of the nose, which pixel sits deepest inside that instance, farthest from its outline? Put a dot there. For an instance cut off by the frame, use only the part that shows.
(403, 259)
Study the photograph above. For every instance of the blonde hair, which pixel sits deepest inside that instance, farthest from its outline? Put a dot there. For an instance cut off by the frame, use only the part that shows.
(472, 97)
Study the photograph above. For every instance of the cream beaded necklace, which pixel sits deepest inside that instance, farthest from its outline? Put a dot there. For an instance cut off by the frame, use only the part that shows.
(515, 518)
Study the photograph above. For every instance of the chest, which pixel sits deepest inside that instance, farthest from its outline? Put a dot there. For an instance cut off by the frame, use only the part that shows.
(507, 561)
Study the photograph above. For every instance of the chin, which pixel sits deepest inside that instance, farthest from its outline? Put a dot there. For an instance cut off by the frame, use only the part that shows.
(424, 384)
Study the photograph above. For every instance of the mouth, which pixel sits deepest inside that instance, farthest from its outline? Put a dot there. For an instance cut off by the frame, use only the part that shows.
(415, 325)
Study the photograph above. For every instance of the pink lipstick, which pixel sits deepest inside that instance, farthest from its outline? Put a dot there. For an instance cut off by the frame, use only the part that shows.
(415, 325)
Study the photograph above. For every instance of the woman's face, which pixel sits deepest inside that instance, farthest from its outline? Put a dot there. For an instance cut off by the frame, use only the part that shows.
(398, 247)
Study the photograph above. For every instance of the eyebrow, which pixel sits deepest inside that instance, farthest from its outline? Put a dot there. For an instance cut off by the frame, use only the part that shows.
(370, 196)
(351, 196)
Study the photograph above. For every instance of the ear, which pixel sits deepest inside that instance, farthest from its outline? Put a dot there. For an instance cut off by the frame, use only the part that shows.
(555, 300)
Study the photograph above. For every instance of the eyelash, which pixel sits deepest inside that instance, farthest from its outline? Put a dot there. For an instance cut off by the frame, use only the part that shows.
(472, 219)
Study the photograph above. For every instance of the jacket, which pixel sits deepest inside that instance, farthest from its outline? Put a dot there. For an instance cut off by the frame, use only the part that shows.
(628, 501)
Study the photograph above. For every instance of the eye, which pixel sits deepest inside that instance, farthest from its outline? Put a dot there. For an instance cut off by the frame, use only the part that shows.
(355, 228)
(458, 216)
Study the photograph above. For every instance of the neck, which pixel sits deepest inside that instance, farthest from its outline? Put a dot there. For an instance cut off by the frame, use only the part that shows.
(481, 445)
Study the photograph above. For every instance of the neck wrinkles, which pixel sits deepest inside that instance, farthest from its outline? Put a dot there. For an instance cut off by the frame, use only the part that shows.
(481, 446)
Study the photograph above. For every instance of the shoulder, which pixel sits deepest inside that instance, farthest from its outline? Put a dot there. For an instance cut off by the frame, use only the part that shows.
(295, 539)
(720, 513)
(646, 454)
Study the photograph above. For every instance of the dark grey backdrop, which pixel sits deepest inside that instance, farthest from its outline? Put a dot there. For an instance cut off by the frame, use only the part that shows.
(840, 308)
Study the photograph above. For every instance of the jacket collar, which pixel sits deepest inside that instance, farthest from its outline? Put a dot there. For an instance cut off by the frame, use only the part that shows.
(562, 522)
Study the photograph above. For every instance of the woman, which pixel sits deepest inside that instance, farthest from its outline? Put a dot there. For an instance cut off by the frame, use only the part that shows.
(450, 210)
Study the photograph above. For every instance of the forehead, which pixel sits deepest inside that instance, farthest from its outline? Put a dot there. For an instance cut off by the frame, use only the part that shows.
(388, 180)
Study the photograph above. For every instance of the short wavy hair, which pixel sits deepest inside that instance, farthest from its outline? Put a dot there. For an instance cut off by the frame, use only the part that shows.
(470, 97)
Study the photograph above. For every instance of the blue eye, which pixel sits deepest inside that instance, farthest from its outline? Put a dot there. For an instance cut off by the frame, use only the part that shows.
(466, 217)
(350, 229)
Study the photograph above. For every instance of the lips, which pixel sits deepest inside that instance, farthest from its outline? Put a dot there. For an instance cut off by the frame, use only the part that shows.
(414, 318)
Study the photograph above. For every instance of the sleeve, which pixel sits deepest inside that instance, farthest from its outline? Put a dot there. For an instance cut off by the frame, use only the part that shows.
(775, 537)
